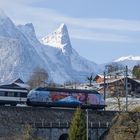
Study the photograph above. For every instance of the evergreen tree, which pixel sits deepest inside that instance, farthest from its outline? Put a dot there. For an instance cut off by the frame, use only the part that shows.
(77, 129)
(136, 71)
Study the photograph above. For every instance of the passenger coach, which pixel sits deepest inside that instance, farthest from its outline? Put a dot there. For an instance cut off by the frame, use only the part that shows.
(13, 93)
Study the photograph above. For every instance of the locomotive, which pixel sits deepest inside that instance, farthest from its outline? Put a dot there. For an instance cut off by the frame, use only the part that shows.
(62, 97)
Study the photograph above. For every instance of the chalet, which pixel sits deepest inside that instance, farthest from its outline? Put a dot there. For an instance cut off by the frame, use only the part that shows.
(99, 78)
(118, 85)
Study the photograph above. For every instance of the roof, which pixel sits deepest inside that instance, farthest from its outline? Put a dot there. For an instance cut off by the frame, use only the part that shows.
(11, 81)
(137, 80)
(99, 75)
(14, 83)
(68, 90)
(102, 76)
(115, 80)
(23, 85)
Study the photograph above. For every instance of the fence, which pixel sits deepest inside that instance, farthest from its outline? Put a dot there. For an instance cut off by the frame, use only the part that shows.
(67, 125)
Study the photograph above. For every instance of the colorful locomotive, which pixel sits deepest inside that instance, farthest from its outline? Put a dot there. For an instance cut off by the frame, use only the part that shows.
(62, 97)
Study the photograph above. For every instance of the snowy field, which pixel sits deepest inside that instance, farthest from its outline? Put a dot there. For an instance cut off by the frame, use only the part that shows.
(115, 104)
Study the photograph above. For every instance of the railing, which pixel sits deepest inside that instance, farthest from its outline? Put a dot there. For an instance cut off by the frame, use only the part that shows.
(67, 125)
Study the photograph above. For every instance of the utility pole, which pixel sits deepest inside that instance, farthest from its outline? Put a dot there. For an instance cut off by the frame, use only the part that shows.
(87, 122)
(126, 87)
(104, 86)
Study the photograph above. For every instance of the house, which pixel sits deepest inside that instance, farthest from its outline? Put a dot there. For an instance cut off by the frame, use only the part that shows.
(114, 86)
(98, 78)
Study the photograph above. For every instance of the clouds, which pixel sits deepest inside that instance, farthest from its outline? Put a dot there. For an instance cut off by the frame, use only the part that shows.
(100, 36)
(46, 20)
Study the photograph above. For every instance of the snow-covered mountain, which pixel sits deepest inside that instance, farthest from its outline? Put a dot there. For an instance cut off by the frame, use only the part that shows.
(130, 61)
(18, 58)
(60, 39)
(21, 53)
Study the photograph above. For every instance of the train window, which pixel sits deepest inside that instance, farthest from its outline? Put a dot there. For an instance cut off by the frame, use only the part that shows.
(11, 94)
(2, 93)
(18, 94)
(15, 94)
(23, 95)
(6, 93)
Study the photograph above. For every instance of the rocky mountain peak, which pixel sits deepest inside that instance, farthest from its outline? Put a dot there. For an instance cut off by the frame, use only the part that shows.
(21, 53)
(27, 29)
(62, 30)
(59, 39)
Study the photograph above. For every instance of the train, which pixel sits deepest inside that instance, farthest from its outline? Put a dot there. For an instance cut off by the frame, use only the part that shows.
(68, 98)
(13, 95)
(52, 97)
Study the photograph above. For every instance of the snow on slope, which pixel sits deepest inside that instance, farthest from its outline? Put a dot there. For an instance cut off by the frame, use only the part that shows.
(55, 68)
(18, 58)
(113, 104)
(60, 39)
(21, 53)
(62, 61)
(29, 31)
(133, 58)
(130, 61)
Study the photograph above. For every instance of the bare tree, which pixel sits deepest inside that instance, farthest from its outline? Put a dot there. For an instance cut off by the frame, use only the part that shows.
(90, 79)
(118, 94)
(114, 67)
(38, 78)
(119, 99)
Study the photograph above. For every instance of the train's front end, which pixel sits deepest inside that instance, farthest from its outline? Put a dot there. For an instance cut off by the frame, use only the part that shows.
(38, 97)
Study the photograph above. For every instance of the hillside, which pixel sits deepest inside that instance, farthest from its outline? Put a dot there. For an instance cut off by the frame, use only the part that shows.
(126, 127)
(21, 53)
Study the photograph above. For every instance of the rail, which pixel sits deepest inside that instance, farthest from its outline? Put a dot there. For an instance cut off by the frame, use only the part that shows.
(67, 125)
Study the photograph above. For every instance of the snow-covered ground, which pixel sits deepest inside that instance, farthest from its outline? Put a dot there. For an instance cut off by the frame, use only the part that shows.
(113, 103)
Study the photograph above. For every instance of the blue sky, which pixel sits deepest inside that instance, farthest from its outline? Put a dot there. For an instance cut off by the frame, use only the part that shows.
(100, 30)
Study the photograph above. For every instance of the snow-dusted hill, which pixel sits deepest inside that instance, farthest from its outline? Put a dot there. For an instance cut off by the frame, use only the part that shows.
(130, 61)
(21, 53)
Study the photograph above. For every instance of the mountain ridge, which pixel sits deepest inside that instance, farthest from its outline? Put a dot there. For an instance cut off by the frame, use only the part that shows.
(130, 57)
(22, 52)
(20, 46)
(129, 61)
